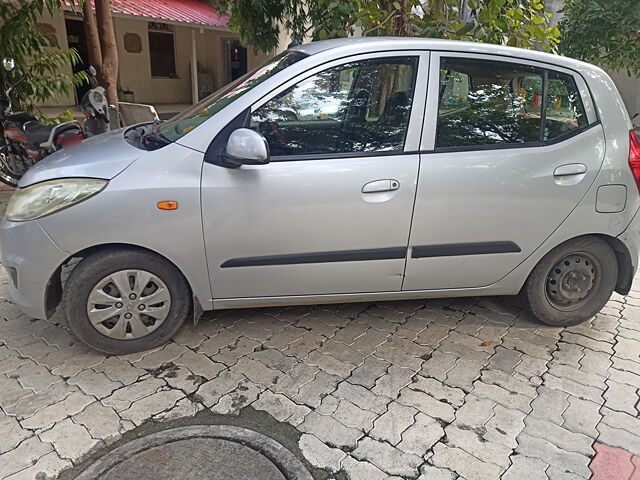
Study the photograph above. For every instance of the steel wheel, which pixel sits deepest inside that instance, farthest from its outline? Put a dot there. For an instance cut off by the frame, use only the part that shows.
(128, 304)
(571, 281)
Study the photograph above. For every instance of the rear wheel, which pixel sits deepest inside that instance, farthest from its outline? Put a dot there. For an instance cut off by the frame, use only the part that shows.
(125, 301)
(572, 282)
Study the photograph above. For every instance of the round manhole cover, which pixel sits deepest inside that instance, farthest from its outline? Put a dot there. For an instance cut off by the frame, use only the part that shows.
(207, 452)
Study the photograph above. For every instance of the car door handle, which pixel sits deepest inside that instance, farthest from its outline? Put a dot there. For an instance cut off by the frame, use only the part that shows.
(386, 185)
(570, 169)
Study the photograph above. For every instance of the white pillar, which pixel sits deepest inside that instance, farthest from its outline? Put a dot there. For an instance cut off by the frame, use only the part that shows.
(194, 67)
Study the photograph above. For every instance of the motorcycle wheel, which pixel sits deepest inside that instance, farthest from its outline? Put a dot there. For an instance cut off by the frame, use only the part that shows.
(7, 175)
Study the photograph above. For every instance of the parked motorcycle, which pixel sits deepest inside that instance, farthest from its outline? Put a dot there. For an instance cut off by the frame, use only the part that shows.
(95, 108)
(25, 140)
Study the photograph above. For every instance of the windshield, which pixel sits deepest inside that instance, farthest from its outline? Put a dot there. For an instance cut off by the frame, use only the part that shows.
(186, 121)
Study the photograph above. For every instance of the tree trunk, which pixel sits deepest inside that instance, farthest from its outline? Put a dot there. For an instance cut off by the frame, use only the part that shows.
(91, 32)
(109, 48)
(402, 26)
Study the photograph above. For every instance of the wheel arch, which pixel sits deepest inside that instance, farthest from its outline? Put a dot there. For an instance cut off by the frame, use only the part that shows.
(53, 292)
(623, 258)
(625, 263)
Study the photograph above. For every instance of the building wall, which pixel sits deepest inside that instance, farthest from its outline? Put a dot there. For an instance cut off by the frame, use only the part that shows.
(135, 68)
(57, 22)
(629, 88)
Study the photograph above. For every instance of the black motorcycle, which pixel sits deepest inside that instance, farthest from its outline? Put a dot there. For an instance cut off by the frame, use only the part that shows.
(25, 140)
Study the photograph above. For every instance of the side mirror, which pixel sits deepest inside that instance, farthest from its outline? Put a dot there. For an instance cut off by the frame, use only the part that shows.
(245, 147)
(8, 63)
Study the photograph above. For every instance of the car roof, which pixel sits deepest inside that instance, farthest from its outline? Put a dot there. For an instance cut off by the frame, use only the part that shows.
(374, 44)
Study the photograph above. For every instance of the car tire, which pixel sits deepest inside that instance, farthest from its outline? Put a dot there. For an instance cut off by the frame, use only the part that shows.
(572, 282)
(159, 276)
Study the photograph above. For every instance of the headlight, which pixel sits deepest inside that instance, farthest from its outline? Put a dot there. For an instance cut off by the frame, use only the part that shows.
(48, 197)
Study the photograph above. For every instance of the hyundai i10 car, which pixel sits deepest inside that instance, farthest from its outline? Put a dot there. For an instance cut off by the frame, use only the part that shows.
(340, 171)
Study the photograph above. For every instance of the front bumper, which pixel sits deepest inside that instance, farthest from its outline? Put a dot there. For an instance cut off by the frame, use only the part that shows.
(31, 258)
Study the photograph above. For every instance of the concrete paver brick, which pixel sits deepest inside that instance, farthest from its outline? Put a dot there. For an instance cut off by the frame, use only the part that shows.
(119, 370)
(281, 407)
(439, 391)
(320, 454)
(24, 456)
(544, 450)
(427, 404)
(122, 398)
(464, 464)
(389, 459)
(362, 470)
(549, 404)
(558, 436)
(471, 441)
(526, 467)
(211, 392)
(70, 440)
(390, 384)
(12, 433)
(362, 397)
(353, 416)
(94, 383)
(421, 436)
(51, 414)
(330, 431)
(389, 426)
(313, 392)
(151, 405)
(103, 423)
(34, 377)
(47, 466)
(369, 372)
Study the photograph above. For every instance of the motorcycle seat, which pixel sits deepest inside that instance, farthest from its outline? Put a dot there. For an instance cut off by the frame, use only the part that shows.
(36, 132)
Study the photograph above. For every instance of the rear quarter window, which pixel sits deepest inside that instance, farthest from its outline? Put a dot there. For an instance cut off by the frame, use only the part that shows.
(565, 112)
(485, 102)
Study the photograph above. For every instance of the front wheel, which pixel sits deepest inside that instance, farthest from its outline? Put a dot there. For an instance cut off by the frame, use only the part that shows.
(571, 283)
(125, 301)
(10, 172)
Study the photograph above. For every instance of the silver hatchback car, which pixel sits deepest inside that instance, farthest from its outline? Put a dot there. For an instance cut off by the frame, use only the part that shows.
(340, 171)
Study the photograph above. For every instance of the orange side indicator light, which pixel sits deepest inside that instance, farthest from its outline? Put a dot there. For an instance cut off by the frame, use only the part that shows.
(168, 205)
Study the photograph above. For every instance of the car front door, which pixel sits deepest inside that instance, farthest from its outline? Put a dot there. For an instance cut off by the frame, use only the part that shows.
(331, 212)
(509, 149)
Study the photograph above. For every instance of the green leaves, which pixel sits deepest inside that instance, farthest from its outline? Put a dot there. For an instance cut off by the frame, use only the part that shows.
(521, 23)
(605, 32)
(46, 69)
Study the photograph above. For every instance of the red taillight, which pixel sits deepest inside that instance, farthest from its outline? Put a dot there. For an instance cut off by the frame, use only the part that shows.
(634, 156)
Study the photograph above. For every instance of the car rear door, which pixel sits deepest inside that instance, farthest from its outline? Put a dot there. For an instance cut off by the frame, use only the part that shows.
(331, 213)
(494, 183)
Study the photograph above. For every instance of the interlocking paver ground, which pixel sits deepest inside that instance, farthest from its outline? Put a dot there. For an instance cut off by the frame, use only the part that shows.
(439, 389)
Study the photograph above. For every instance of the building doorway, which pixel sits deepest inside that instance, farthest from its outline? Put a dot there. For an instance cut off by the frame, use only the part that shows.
(77, 39)
(236, 59)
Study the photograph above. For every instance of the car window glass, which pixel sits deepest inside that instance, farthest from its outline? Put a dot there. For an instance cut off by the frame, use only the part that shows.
(565, 111)
(484, 102)
(356, 107)
(184, 122)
